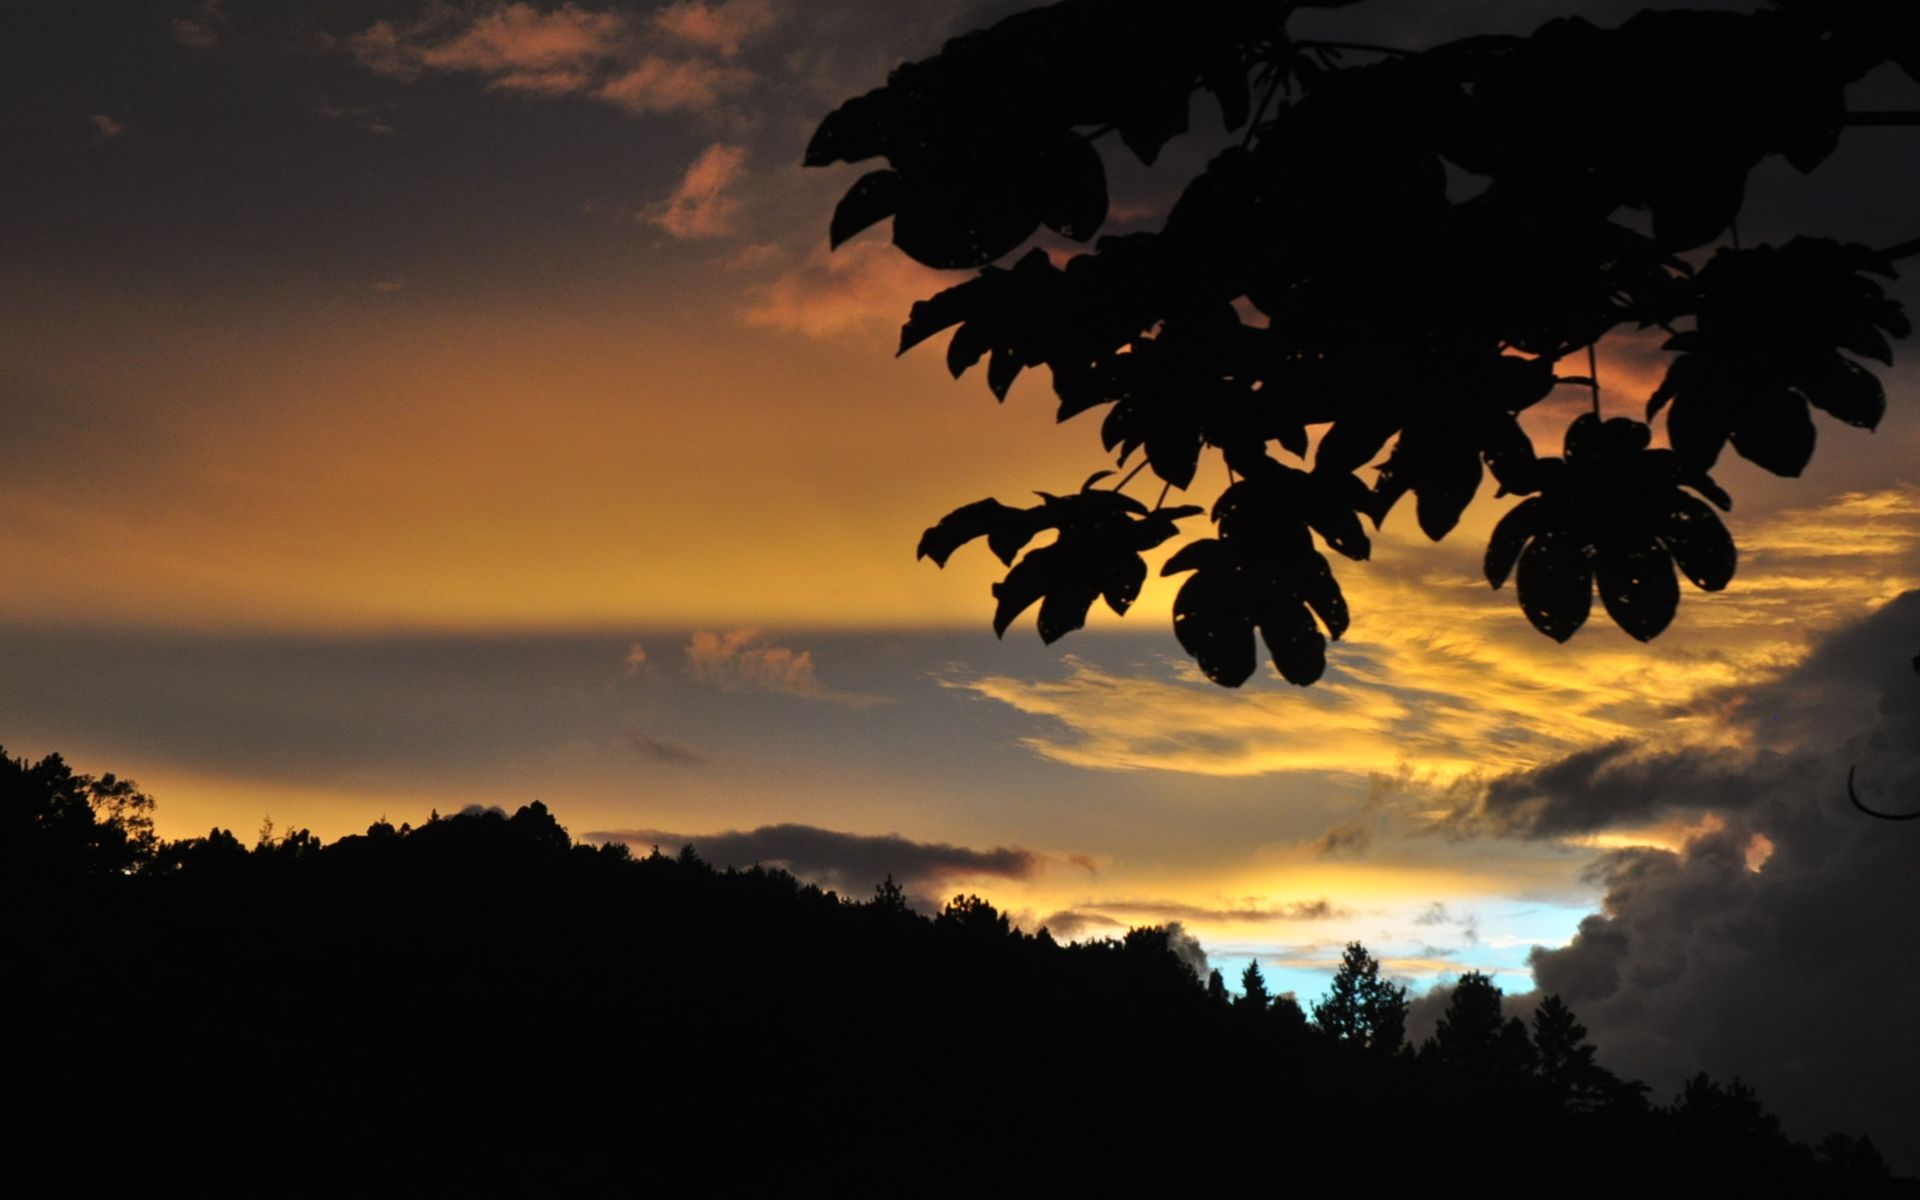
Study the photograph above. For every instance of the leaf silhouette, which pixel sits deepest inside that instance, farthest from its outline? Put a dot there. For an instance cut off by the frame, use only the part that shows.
(1771, 327)
(1614, 513)
(1377, 279)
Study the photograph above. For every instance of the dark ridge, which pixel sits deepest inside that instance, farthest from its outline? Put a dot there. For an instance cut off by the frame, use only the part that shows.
(479, 1005)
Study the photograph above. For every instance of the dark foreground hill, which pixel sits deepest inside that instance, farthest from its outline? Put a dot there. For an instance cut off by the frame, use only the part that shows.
(479, 1006)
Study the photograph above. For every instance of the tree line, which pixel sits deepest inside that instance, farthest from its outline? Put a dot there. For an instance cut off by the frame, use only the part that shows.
(479, 1004)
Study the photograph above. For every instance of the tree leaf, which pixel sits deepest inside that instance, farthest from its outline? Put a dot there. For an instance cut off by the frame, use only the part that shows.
(982, 518)
(1699, 543)
(1213, 628)
(872, 198)
(1510, 536)
(1295, 643)
(1638, 588)
(1074, 184)
(1775, 432)
(1555, 584)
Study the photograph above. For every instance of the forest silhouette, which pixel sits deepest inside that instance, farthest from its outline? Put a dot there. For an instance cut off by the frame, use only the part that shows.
(480, 1005)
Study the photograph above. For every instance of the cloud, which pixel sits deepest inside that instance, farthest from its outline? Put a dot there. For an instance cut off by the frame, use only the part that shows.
(744, 660)
(1777, 943)
(636, 661)
(1440, 676)
(663, 750)
(605, 55)
(1853, 689)
(1068, 923)
(1436, 914)
(1164, 910)
(200, 30)
(387, 287)
(863, 287)
(721, 27)
(517, 45)
(849, 862)
(701, 206)
(106, 126)
(659, 85)
(1187, 949)
(366, 116)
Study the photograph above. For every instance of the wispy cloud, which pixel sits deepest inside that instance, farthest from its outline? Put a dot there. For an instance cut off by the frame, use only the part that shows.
(1442, 678)
(199, 28)
(1246, 911)
(671, 62)
(864, 287)
(702, 206)
(745, 660)
(664, 750)
(106, 126)
(656, 84)
(366, 116)
(722, 27)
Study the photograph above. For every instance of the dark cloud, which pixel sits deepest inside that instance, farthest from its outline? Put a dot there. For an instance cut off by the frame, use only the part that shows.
(1857, 691)
(1605, 786)
(850, 862)
(664, 750)
(1299, 910)
(1097, 917)
(1800, 976)
(1069, 923)
(1187, 949)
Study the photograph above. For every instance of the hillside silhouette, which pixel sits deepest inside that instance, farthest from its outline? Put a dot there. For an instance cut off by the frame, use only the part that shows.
(480, 1005)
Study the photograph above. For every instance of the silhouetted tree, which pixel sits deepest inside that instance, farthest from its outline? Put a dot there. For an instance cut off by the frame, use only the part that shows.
(1361, 1009)
(1288, 1015)
(1217, 988)
(397, 988)
(889, 897)
(1720, 1115)
(55, 824)
(1253, 990)
(1565, 1059)
(1399, 250)
(1473, 1034)
(974, 917)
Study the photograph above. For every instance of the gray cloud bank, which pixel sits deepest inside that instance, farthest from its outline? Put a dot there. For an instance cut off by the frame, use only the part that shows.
(1783, 946)
(849, 862)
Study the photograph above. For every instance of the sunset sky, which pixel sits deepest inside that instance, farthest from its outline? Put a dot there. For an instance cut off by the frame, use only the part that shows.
(413, 405)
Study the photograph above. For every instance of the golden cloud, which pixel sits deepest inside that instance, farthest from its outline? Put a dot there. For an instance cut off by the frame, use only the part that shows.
(1441, 676)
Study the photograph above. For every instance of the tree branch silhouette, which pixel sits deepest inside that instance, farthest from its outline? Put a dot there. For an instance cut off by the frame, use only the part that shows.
(1327, 272)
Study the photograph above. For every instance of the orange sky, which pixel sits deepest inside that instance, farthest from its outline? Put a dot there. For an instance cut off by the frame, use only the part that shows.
(521, 325)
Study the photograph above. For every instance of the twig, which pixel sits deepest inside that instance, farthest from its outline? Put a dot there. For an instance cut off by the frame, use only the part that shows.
(1593, 376)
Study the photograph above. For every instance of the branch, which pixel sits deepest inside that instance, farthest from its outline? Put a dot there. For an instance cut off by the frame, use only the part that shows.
(1903, 250)
(1884, 816)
